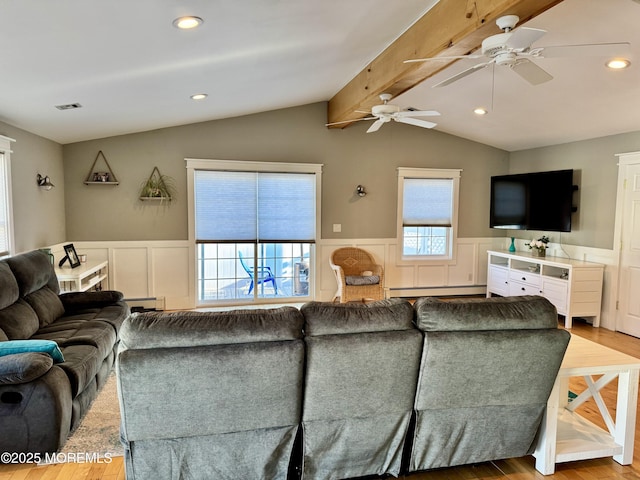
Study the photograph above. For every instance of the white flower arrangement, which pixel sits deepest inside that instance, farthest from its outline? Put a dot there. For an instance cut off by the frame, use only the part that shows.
(539, 244)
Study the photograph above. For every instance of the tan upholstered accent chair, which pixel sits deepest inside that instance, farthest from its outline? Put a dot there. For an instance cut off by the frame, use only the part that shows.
(349, 265)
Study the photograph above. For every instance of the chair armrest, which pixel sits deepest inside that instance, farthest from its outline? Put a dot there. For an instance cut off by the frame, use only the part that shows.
(23, 367)
(79, 300)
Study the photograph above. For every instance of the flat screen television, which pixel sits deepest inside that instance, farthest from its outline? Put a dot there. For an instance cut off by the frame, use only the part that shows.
(532, 201)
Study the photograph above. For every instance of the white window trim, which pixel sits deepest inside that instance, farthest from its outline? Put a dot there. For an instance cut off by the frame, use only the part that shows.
(193, 164)
(5, 149)
(408, 172)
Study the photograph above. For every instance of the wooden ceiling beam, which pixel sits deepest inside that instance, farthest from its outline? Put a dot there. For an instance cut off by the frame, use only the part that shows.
(450, 27)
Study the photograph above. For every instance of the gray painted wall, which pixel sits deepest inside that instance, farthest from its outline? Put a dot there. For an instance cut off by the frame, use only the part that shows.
(39, 215)
(596, 174)
(350, 157)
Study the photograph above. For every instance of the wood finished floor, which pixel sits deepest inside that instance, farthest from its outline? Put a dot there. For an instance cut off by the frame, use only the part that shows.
(517, 468)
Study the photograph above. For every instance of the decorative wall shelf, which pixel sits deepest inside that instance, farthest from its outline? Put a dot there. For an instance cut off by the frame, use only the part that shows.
(95, 177)
(158, 187)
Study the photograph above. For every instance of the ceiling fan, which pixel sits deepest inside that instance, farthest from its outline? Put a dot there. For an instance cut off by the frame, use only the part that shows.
(386, 112)
(513, 48)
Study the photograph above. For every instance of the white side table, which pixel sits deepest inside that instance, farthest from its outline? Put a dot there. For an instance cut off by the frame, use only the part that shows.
(564, 434)
(90, 275)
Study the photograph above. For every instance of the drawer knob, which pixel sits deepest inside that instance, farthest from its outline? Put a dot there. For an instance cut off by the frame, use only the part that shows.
(523, 289)
(524, 278)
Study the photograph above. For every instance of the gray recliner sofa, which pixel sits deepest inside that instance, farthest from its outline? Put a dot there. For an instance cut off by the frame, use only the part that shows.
(376, 389)
(56, 352)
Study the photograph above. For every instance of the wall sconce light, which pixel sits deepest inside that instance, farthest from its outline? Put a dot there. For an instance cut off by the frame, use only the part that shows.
(45, 182)
(360, 191)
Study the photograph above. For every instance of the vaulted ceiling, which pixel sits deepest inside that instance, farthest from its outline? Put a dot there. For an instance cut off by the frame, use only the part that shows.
(131, 70)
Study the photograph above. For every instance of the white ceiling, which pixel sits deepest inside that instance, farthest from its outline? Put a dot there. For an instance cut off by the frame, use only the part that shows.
(133, 71)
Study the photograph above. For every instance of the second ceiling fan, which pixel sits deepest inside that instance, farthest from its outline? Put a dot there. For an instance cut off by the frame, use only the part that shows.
(514, 49)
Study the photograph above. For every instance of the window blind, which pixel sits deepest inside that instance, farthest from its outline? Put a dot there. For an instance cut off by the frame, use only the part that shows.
(254, 206)
(427, 202)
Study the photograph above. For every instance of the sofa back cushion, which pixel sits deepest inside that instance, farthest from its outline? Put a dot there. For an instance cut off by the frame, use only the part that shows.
(495, 313)
(33, 271)
(18, 321)
(190, 329)
(488, 367)
(37, 284)
(362, 368)
(324, 318)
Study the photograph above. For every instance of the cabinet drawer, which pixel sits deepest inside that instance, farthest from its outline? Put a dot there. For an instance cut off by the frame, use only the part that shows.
(586, 274)
(520, 288)
(532, 279)
(498, 281)
(555, 288)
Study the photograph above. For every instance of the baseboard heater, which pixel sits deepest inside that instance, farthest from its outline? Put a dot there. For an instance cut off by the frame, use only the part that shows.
(413, 292)
(150, 303)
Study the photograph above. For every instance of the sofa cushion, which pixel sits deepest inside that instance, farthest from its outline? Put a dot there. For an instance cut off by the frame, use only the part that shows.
(78, 332)
(326, 318)
(23, 367)
(114, 314)
(33, 270)
(81, 365)
(9, 291)
(496, 313)
(18, 321)
(49, 347)
(190, 329)
(46, 304)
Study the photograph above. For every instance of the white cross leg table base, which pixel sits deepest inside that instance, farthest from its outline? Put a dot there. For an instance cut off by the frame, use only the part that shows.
(564, 434)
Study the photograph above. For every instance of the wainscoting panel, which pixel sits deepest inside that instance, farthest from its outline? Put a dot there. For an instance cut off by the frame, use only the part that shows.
(162, 271)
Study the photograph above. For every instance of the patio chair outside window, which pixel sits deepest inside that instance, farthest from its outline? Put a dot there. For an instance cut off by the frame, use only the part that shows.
(258, 275)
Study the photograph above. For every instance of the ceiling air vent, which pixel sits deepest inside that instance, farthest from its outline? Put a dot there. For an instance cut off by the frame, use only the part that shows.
(69, 106)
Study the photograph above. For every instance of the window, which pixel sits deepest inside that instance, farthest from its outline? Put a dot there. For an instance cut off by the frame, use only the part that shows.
(254, 226)
(427, 213)
(6, 216)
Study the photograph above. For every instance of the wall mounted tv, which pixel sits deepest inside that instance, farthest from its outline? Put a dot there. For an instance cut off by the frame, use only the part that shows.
(533, 201)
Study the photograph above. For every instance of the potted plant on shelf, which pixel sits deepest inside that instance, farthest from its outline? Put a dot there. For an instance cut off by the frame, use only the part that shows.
(539, 246)
(158, 187)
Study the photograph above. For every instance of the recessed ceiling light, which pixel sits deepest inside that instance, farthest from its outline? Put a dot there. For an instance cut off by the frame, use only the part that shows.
(186, 23)
(618, 63)
(480, 111)
(199, 96)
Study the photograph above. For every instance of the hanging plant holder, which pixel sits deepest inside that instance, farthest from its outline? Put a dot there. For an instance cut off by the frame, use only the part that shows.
(96, 177)
(158, 187)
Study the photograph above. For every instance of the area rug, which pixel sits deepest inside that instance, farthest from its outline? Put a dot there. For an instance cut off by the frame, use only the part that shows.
(99, 430)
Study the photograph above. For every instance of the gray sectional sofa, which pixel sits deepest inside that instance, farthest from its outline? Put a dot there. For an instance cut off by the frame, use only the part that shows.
(335, 391)
(55, 353)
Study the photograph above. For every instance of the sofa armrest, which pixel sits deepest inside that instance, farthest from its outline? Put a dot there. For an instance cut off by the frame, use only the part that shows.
(23, 367)
(79, 300)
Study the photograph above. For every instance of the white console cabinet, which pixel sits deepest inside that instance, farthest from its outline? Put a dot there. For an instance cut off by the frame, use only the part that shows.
(573, 286)
(88, 276)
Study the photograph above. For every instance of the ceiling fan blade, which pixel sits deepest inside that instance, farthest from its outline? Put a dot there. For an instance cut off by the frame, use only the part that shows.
(531, 72)
(349, 121)
(417, 113)
(584, 50)
(375, 126)
(415, 121)
(523, 37)
(452, 57)
(462, 74)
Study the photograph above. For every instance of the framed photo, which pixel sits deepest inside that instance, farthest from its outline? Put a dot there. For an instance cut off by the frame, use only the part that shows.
(74, 260)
